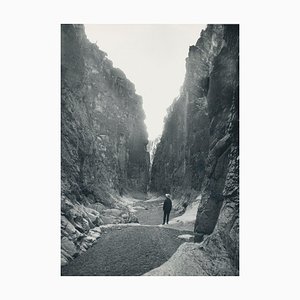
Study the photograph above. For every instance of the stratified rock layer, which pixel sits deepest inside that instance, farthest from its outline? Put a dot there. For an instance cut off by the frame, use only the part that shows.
(217, 221)
(103, 139)
(179, 161)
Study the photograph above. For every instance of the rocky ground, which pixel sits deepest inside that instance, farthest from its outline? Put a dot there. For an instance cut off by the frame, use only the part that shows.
(131, 249)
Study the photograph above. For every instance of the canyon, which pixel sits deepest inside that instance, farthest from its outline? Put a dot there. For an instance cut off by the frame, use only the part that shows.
(107, 160)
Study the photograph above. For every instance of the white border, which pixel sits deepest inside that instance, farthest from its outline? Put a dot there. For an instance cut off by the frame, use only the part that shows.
(30, 153)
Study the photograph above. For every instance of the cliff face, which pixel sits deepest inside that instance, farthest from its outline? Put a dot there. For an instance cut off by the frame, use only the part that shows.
(179, 162)
(218, 212)
(152, 145)
(103, 138)
(217, 221)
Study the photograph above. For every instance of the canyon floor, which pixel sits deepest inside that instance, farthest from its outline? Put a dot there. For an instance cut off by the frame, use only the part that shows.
(132, 249)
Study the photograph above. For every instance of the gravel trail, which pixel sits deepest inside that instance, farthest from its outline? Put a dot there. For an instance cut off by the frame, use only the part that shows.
(133, 250)
(129, 251)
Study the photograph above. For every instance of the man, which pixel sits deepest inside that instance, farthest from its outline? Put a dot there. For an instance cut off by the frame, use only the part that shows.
(167, 208)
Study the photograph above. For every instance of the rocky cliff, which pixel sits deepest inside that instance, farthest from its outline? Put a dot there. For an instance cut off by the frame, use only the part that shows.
(179, 164)
(151, 147)
(217, 221)
(103, 141)
(218, 212)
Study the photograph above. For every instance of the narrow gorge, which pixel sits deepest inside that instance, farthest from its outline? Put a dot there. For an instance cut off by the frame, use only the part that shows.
(112, 174)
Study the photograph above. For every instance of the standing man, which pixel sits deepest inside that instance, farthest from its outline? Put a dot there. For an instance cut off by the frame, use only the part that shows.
(167, 208)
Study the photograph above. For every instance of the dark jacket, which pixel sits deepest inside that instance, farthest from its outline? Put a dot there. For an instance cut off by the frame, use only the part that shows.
(167, 205)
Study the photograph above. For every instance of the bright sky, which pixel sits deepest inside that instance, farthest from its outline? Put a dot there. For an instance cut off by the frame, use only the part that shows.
(153, 58)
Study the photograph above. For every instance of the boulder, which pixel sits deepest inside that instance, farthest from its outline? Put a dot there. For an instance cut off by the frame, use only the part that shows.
(113, 212)
(186, 237)
(63, 260)
(68, 246)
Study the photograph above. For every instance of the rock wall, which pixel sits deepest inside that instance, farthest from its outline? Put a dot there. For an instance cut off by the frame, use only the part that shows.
(217, 221)
(103, 140)
(152, 145)
(218, 212)
(179, 162)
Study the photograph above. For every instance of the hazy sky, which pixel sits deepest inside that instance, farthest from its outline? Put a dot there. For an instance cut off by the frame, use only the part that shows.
(153, 58)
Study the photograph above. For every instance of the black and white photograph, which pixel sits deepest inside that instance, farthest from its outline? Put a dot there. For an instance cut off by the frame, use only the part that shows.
(150, 179)
(149, 149)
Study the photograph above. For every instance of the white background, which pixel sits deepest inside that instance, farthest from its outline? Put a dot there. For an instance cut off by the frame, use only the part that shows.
(30, 149)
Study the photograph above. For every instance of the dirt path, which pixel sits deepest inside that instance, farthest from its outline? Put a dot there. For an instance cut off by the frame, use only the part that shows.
(134, 250)
(151, 213)
(129, 250)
